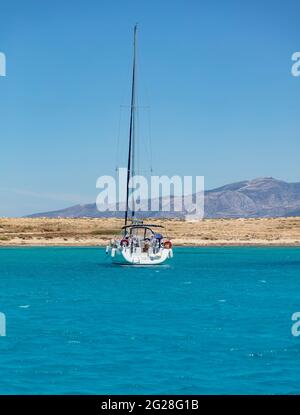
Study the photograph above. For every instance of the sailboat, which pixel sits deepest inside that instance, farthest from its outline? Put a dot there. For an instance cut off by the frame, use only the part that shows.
(140, 243)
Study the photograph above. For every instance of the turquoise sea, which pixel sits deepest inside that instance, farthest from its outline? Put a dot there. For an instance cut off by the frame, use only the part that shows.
(213, 321)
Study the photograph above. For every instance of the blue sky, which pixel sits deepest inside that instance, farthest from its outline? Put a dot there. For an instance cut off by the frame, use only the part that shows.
(216, 75)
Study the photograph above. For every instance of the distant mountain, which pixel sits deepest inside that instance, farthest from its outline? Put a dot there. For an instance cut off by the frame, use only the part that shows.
(262, 197)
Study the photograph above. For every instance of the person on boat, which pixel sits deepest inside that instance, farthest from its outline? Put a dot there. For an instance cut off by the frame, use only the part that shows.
(146, 245)
(155, 241)
(158, 237)
(135, 241)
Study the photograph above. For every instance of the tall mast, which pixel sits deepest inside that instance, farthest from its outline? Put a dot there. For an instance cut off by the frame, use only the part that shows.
(130, 164)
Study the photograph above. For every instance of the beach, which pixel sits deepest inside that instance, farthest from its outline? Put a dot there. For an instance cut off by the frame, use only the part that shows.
(97, 232)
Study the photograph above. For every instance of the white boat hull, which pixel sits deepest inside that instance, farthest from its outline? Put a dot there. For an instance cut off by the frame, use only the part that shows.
(124, 256)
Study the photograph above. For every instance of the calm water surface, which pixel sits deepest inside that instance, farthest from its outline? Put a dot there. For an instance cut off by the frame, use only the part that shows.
(216, 320)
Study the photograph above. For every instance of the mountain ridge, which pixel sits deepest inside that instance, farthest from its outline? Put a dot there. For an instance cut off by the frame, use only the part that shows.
(260, 197)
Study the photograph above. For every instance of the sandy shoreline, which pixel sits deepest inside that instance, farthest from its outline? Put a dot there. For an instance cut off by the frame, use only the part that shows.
(97, 232)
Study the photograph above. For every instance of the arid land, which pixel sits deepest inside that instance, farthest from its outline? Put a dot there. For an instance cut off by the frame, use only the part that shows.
(97, 232)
